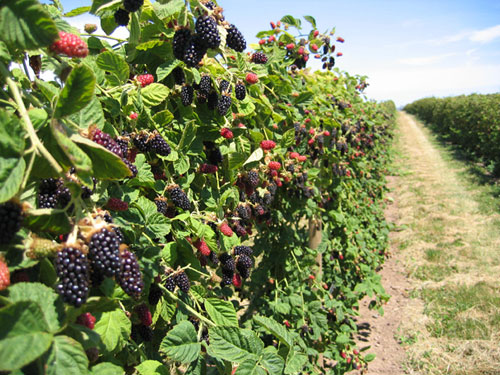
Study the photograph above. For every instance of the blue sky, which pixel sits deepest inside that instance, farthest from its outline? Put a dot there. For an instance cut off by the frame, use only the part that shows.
(409, 49)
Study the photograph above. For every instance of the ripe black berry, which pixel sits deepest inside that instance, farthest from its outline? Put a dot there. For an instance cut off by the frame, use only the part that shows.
(170, 283)
(159, 146)
(47, 193)
(240, 91)
(187, 93)
(130, 277)
(206, 27)
(104, 254)
(253, 179)
(131, 167)
(244, 212)
(123, 143)
(179, 75)
(11, 219)
(194, 52)
(205, 84)
(72, 268)
(132, 5)
(238, 250)
(180, 42)
(227, 277)
(161, 205)
(210, 5)
(227, 262)
(182, 281)
(259, 58)
(107, 142)
(214, 156)
(243, 265)
(212, 100)
(235, 39)
(224, 104)
(225, 87)
(122, 17)
(141, 142)
(213, 258)
(180, 198)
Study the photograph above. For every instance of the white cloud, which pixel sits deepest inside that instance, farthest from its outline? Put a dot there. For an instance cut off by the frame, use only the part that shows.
(486, 35)
(426, 60)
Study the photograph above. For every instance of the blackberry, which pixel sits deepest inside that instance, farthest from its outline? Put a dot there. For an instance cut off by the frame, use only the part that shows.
(180, 198)
(47, 200)
(63, 195)
(179, 77)
(72, 268)
(206, 28)
(240, 91)
(133, 5)
(107, 142)
(235, 39)
(194, 52)
(122, 17)
(180, 42)
(243, 265)
(170, 283)
(187, 94)
(227, 262)
(161, 205)
(225, 86)
(131, 167)
(210, 5)
(47, 193)
(224, 104)
(253, 179)
(244, 212)
(141, 142)
(246, 250)
(212, 100)
(182, 281)
(159, 146)
(130, 277)
(259, 58)
(290, 168)
(214, 258)
(227, 277)
(11, 218)
(205, 85)
(104, 253)
(240, 230)
(268, 199)
(123, 143)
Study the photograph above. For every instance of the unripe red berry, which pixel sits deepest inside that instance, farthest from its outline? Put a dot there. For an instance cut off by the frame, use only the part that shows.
(87, 320)
(274, 165)
(226, 133)
(267, 145)
(290, 46)
(252, 78)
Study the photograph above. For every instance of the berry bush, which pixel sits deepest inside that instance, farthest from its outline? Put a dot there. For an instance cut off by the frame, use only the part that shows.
(171, 203)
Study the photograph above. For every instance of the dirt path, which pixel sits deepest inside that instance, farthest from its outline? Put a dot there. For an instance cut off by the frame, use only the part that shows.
(444, 242)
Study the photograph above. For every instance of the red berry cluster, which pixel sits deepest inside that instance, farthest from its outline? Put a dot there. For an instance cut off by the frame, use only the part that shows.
(145, 79)
(70, 45)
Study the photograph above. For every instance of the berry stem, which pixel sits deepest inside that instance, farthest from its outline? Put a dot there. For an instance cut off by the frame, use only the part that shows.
(105, 36)
(27, 121)
(27, 172)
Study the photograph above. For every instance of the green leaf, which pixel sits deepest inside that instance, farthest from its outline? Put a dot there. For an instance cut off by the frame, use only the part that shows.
(77, 11)
(311, 20)
(107, 368)
(295, 362)
(11, 177)
(11, 136)
(256, 156)
(45, 297)
(154, 94)
(151, 367)
(342, 339)
(66, 356)
(23, 336)
(276, 329)
(250, 367)
(181, 343)
(105, 164)
(288, 138)
(236, 160)
(91, 114)
(369, 357)
(25, 25)
(272, 362)
(181, 165)
(166, 68)
(77, 92)
(77, 157)
(292, 21)
(169, 9)
(234, 344)
(115, 64)
(114, 328)
(221, 312)
(46, 220)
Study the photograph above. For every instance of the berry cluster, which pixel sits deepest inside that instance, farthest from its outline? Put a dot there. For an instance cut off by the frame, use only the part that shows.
(122, 17)
(151, 142)
(72, 268)
(70, 45)
(104, 253)
(259, 58)
(11, 218)
(236, 266)
(179, 197)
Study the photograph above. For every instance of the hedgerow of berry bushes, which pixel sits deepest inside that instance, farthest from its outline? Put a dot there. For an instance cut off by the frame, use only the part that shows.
(471, 122)
(171, 202)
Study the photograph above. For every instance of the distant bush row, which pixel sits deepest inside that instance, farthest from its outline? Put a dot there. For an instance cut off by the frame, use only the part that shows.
(472, 122)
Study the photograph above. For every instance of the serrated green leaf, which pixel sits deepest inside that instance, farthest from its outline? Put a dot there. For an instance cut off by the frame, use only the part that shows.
(115, 64)
(272, 362)
(78, 158)
(66, 356)
(151, 367)
(234, 344)
(45, 297)
(25, 25)
(257, 155)
(23, 336)
(114, 328)
(107, 368)
(276, 329)
(250, 367)
(165, 11)
(90, 115)
(369, 357)
(77, 11)
(181, 343)
(295, 362)
(154, 94)
(166, 68)
(311, 20)
(77, 92)
(221, 312)
(11, 177)
(46, 220)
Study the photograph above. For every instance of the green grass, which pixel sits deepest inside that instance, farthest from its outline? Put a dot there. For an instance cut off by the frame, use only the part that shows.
(463, 312)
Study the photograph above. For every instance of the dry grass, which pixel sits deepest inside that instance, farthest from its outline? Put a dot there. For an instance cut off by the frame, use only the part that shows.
(451, 251)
